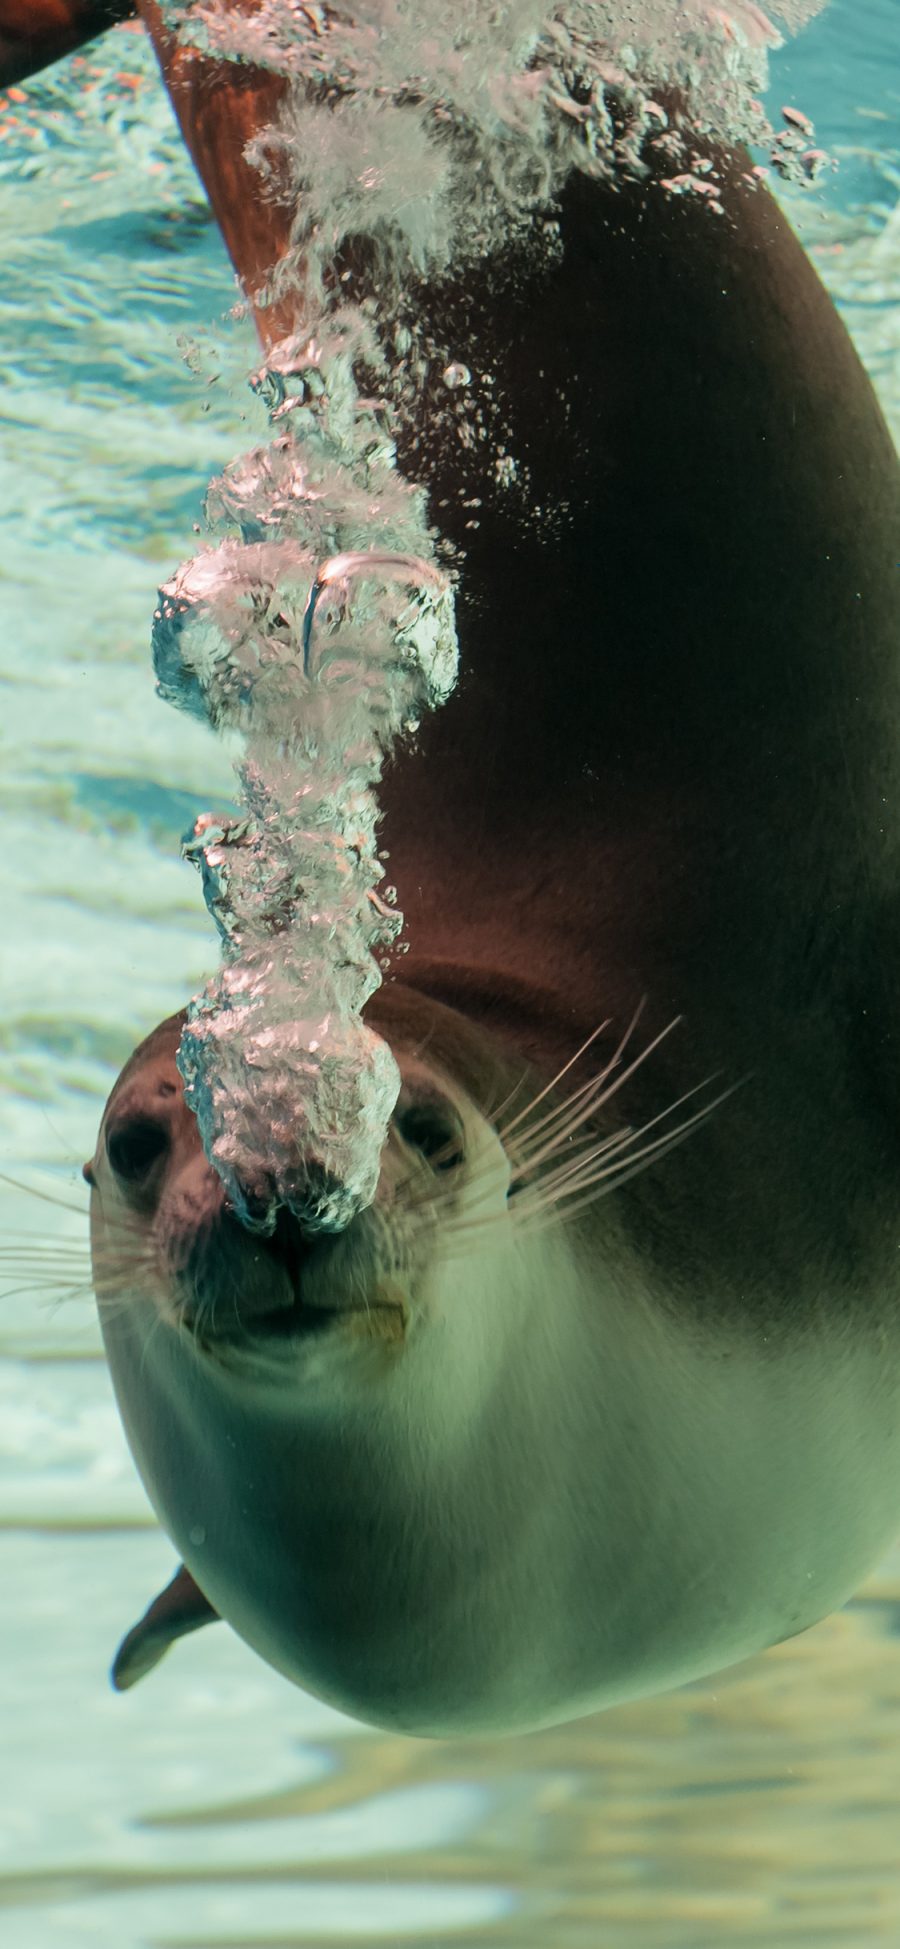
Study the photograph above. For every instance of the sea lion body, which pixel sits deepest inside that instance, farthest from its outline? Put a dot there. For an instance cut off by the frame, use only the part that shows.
(538, 1467)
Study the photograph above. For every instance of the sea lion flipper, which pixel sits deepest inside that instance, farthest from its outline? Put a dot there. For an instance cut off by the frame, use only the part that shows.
(178, 1609)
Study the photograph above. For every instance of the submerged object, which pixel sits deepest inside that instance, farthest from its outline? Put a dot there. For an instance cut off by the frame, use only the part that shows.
(574, 1411)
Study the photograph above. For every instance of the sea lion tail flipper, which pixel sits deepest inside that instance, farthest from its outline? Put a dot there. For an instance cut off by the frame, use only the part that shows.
(178, 1609)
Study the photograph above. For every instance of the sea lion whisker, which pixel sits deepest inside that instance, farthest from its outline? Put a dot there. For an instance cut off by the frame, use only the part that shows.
(111, 1306)
(596, 1101)
(122, 1226)
(494, 1110)
(527, 1164)
(613, 1170)
(55, 1240)
(131, 1265)
(71, 1290)
(440, 1196)
(706, 1109)
(558, 1124)
(42, 1255)
(45, 1197)
(539, 1217)
(51, 1288)
(108, 1285)
(28, 1279)
(592, 1169)
(424, 1191)
(539, 1214)
(548, 1194)
(609, 1146)
(436, 1191)
(584, 1153)
(461, 1225)
(43, 1265)
(459, 1240)
(593, 1094)
(555, 1080)
(590, 1087)
(140, 1256)
(125, 1235)
(136, 1256)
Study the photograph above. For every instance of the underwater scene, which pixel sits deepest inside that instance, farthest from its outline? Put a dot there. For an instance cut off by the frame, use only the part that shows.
(203, 508)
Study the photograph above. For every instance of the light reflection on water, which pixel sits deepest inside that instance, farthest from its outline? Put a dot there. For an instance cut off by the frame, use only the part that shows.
(214, 1804)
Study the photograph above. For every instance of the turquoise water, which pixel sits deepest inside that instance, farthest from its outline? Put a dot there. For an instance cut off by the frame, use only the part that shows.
(215, 1804)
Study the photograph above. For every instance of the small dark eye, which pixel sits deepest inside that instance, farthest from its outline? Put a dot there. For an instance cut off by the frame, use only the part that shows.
(436, 1131)
(134, 1148)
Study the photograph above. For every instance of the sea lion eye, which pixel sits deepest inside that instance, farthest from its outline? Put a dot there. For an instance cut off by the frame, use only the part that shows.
(134, 1146)
(436, 1131)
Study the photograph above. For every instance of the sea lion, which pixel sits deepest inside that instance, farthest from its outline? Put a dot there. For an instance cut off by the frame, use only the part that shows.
(508, 1450)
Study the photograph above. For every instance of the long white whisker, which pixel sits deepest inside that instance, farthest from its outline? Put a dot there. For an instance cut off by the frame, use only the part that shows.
(597, 1185)
(591, 1094)
(45, 1197)
(504, 1134)
(540, 1216)
(60, 1281)
(497, 1109)
(589, 1109)
(560, 1116)
(609, 1146)
(37, 1255)
(578, 1156)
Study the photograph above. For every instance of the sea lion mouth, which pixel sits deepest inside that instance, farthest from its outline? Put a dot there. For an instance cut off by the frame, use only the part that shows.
(241, 1288)
(298, 1281)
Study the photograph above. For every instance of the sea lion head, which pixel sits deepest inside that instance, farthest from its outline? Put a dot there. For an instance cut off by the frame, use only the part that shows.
(164, 1234)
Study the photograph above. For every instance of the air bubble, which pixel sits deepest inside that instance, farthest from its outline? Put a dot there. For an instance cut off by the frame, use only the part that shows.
(455, 375)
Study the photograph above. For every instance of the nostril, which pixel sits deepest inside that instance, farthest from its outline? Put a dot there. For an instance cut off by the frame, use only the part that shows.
(312, 1201)
(133, 1147)
(436, 1131)
(320, 1205)
(253, 1207)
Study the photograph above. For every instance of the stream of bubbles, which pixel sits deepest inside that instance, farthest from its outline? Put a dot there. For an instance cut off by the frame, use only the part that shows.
(318, 623)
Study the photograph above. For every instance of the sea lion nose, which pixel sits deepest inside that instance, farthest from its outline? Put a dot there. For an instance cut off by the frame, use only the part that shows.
(312, 1202)
(227, 1277)
(225, 1273)
(320, 1197)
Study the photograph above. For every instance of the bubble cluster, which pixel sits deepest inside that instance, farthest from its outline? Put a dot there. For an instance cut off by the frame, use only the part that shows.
(443, 128)
(318, 625)
(317, 651)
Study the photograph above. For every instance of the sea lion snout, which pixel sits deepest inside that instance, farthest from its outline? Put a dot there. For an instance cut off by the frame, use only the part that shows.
(226, 1278)
(233, 1277)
